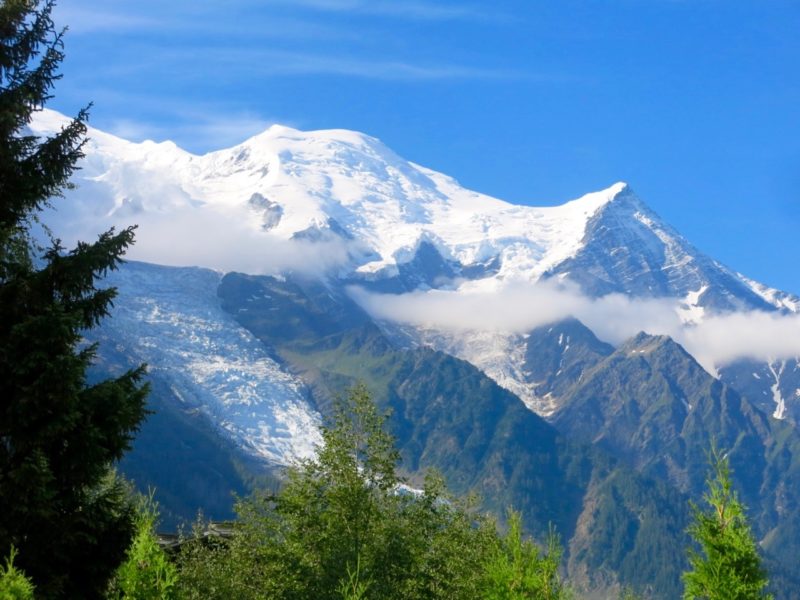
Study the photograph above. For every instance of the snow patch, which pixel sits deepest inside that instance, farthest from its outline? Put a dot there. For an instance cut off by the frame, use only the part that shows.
(780, 404)
(778, 299)
(690, 310)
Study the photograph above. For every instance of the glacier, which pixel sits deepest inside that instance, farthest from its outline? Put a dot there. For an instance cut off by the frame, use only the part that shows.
(171, 319)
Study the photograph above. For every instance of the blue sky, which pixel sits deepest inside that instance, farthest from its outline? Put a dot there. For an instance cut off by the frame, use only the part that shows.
(696, 103)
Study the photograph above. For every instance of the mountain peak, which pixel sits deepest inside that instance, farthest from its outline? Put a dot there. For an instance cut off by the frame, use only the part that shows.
(648, 344)
(347, 137)
(621, 194)
(619, 188)
(592, 203)
(646, 340)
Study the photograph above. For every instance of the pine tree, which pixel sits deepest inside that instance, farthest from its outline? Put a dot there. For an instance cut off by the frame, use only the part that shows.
(728, 566)
(68, 515)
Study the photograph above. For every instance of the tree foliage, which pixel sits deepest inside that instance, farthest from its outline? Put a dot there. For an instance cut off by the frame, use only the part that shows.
(58, 436)
(727, 565)
(147, 573)
(517, 569)
(14, 585)
(345, 526)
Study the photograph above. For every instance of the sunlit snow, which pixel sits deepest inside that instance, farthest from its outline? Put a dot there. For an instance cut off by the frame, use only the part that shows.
(171, 319)
(387, 204)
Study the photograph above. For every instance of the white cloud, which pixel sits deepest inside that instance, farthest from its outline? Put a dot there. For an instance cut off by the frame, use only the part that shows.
(192, 128)
(90, 19)
(721, 339)
(192, 235)
(212, 238)
(518, 308)
(423, 11)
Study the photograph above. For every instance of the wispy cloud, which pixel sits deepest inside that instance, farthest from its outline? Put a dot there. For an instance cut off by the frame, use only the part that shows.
(295, 17)
(716, 341)
(301, 63)
(138, 20)
(86, 19)
(157, 52)
(406, 9)
(193, 129)
(192, 64)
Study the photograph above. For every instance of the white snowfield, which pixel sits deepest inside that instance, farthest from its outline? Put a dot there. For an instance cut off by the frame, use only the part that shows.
(284, 181)
(342, 203)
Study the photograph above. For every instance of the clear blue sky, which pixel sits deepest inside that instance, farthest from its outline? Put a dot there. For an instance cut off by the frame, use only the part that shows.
(696, 103)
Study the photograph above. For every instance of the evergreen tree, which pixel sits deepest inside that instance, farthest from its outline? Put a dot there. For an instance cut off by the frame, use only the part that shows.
(60, 505)
(728, 566)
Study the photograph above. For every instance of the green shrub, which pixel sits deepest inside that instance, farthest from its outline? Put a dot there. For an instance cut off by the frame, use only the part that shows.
(13, 583)
(147, 573)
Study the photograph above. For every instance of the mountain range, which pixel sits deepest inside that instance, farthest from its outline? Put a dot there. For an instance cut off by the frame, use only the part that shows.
(576, 362)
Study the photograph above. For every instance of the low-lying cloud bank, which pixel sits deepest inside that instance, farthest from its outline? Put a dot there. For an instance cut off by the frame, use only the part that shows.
(210, 237)
(716, 341)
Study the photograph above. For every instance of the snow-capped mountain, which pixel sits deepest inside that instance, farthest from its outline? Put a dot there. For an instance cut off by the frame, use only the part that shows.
(285, 184)
(341, 203)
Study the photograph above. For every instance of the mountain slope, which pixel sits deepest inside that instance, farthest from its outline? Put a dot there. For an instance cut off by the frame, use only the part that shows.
(448, 415)
(650, 404)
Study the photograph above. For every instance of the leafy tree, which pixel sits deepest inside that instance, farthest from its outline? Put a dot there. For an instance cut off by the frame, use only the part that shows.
(517, 570)
(147, 573)
(13, 583)
(728, 566)
(344, 527)
(353, 588)
(335, 515)
(59, 504)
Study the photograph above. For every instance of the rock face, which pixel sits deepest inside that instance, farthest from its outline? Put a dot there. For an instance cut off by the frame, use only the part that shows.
(271, 212)
(773, 386)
